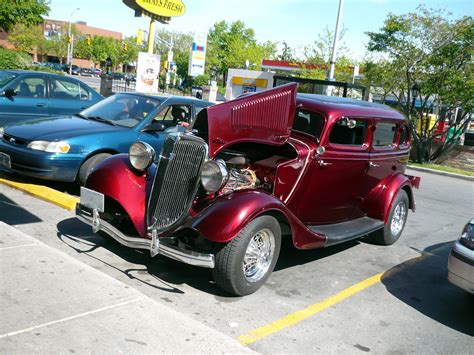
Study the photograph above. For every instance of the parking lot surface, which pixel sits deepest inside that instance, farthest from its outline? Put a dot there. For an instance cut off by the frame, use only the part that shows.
(355, 297)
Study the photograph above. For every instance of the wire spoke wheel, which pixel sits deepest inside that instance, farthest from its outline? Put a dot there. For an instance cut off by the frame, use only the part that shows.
(398, 218)
(259, 255)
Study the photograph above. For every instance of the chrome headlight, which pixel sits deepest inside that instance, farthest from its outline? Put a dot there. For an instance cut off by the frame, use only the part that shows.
(50, 147)
(214, 175)
(141, 155)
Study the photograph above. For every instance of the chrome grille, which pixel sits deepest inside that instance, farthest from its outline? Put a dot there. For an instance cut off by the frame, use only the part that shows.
(176, 180)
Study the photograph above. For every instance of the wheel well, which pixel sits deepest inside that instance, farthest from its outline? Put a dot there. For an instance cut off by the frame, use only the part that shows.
(95, 152)
(409, 194)
(282, 220)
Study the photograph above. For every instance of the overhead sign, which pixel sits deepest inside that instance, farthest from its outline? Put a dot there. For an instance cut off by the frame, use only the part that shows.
(160, 10)
(148, 69)
(197, 56)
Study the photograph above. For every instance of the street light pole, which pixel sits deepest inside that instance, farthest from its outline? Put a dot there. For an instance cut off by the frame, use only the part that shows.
(334, 45)
(70, 46)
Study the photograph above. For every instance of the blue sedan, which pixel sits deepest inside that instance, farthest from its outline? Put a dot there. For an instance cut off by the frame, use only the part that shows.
(69, 148)
(27, 95)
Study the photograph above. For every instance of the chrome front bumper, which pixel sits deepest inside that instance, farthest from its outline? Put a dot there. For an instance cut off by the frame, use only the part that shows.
(154, 245)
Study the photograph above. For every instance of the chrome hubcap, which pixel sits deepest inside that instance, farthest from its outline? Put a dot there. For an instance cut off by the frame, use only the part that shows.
(259, 254)
(398, 218)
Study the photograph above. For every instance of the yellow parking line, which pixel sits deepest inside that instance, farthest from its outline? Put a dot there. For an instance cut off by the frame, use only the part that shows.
(58, 198)
(307, 312)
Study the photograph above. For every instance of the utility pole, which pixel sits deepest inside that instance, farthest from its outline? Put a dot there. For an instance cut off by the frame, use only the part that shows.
(151, 36)
(334, 45)
(70, 43)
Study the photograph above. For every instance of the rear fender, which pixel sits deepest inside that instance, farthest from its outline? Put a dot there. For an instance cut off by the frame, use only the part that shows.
(228, 215)
(116, 179)
(379, 200)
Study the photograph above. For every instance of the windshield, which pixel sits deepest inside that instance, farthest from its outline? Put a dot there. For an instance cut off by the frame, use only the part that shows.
(122, 109)
(6, 77)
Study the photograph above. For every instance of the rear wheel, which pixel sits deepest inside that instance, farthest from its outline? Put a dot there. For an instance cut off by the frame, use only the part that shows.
(244, 264)
(397, 218)
(89, 165)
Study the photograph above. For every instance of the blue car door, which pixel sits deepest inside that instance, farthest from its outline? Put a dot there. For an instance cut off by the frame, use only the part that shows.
(30, 100)
(68, 96)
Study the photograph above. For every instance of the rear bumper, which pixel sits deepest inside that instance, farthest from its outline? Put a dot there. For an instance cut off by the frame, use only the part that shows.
(461, 267)
(49, 166)
(155, 245)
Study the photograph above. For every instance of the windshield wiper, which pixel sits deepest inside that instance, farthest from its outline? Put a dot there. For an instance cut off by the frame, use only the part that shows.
(81, 116)
(101, 119)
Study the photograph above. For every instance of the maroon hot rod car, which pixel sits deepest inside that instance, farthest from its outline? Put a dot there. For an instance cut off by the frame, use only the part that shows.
(320, 169)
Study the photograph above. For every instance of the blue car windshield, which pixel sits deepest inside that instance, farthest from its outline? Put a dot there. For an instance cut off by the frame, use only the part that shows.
(122, 109)
(5, 78)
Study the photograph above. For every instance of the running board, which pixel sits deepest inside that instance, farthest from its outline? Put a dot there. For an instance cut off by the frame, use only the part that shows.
(344, 231)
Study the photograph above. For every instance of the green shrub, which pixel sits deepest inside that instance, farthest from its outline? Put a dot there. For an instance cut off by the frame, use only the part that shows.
(13, 60)
(201, 80)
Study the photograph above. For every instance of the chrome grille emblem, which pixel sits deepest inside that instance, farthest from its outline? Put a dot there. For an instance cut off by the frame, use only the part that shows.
(12, 140)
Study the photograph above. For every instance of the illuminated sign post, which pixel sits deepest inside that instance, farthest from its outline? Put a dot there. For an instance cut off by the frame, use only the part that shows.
(157, 10)
(197, 57)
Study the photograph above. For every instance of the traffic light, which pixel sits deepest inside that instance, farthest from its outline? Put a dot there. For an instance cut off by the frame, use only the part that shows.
(89, 40)
(125, 46)
(69, 39)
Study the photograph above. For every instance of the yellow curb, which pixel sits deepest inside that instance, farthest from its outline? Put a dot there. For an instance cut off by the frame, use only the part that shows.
(45, 193)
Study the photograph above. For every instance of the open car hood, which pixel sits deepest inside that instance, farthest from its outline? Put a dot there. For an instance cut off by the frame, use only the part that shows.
(264, 117)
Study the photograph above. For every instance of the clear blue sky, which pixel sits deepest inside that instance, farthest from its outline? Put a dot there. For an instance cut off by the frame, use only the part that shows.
(298, 22)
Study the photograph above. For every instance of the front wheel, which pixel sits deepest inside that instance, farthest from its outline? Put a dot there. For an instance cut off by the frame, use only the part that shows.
(396, 220)
(89, 165)
(244, 264)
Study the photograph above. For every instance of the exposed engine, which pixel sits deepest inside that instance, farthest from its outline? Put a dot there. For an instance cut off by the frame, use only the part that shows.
(241, 176)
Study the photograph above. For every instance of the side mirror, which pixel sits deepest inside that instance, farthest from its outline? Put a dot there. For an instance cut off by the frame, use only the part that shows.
(349, 123)
(155, 127)
(319, 151)
(9, 93)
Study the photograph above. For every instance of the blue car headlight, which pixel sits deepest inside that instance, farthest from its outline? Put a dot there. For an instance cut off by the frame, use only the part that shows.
(50, 147)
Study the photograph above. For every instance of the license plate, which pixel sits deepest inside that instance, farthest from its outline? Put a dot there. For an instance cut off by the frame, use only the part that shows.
(92, 199)
(5, 160)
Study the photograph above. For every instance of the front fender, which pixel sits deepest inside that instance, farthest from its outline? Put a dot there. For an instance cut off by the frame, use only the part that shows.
(228, 215)
(379, 200)
(115, 179)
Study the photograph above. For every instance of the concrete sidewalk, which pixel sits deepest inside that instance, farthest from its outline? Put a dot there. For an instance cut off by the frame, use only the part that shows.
(51, 303)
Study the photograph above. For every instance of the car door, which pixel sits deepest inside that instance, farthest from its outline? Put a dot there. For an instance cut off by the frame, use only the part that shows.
(387, 157)
(30, 100)
(68, 96)
(332, 183)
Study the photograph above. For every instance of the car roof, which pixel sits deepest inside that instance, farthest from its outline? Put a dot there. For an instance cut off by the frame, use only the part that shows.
(184, 99)
(21, 71)
(335, 107)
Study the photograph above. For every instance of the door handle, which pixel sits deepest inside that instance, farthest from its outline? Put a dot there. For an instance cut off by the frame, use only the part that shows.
(322, 163)
(40, 105)
(373, 165)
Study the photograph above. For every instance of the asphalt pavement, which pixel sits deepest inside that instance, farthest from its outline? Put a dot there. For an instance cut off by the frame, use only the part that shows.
(52, 303)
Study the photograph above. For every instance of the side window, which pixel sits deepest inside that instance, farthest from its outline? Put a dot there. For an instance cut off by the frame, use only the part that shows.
(309, 122)
(384, 134)
(343, 132)
(404, 135)
(174, 114)
(30, 87)
(69, 90)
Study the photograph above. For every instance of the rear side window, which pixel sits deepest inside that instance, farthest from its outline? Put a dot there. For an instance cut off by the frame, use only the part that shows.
(384, 135)
(404, 136)
(69, 90)
(343, 132)
(309, 122)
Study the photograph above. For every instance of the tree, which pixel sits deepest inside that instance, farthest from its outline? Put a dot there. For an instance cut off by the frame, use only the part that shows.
(26, 12)
(286, 53)
(230, 45)
(433, 54)
(25, 38)
(320, 51)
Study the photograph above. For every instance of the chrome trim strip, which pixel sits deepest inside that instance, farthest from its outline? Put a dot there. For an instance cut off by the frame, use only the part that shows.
(159, 247)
